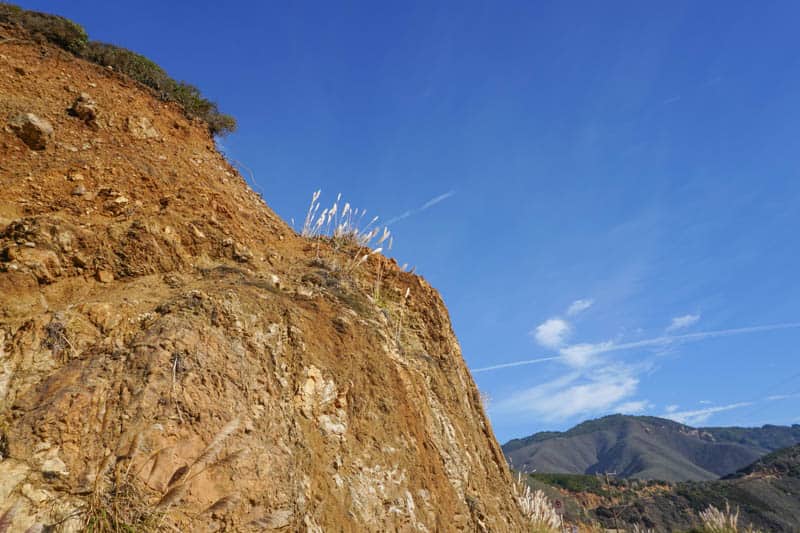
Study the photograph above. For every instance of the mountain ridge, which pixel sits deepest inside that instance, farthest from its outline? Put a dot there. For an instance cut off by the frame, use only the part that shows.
(647, 447)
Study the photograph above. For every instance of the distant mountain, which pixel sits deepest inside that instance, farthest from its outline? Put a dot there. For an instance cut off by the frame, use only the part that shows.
(646, 447)
(766, 494)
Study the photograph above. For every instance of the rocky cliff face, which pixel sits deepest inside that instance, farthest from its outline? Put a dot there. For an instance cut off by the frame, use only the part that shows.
(173, 356)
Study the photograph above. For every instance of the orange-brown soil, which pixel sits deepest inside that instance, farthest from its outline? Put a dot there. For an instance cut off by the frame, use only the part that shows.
(174, 356)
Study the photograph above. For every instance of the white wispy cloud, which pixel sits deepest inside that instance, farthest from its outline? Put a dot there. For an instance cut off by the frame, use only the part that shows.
(552, 333)
(583, 355)
(573, 394)
(680, 322)
(665, 340)
(579, 306)
(699, 416)
(427, 205)
(595, 383)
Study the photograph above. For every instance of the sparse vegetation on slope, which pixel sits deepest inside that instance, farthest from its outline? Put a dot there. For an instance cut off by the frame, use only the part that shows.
(763, 496)
(537, 508)
(343, 227)
(647, 448)
(175, 298)
(73, 38)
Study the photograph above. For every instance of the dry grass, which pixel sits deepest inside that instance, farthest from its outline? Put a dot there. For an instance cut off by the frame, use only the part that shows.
(536, 508)
(344, 228)
(718, 521)
(123, 505)
(722, 521)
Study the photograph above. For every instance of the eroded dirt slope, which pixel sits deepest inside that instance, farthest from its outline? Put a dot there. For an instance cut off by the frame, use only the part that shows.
(173, 356)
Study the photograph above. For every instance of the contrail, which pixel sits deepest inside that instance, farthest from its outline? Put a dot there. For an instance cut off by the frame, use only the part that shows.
(517, 363)
(702, 335)
(433, 201)
(656, 341)
(427, 205)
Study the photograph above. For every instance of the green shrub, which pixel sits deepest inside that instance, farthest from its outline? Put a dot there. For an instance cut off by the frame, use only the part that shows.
(572, 482)
(57, 30)
(148, 73)
(72, 38)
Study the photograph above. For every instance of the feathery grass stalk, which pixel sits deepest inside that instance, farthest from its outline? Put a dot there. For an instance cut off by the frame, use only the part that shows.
(719, 521)
(215, 445)
(222, 504)
(172, 496)
(536, 508)
(341, 224)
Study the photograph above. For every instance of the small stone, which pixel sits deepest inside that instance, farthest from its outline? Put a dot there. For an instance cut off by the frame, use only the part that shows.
(37, 496)
(104, 276)
(197, 233)
(54, 467)
(304, 293)
(241, 253)
(85, 109)
(34, 131)
(141, 128)
(278, 519)
(79, 190)
(120, 200)
(75, 176)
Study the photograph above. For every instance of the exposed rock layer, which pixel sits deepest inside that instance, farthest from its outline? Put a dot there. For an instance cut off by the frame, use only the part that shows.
(170, 349)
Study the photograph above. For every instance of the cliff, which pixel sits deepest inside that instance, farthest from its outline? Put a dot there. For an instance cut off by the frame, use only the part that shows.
(173, 356)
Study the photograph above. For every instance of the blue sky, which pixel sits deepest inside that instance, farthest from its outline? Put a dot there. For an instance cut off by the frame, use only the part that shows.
(608, 173)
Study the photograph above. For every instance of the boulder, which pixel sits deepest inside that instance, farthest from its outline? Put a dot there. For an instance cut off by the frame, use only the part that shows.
(34, 131)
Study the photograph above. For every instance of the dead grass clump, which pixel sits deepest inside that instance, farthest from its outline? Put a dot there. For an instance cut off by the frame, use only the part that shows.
(343, 227)
(535, 506)
(123, 505)
(722, 521)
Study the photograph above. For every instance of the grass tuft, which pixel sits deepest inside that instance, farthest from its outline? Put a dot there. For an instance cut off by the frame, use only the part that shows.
(342, 224)
(536, 507)
(719, 521)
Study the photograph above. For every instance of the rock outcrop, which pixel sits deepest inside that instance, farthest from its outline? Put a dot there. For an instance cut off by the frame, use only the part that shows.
(173, 356)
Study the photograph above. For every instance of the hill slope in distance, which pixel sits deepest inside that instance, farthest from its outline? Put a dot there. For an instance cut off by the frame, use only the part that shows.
(647, 448)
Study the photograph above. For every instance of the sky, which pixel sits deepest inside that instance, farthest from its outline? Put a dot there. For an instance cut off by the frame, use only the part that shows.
(608, 192)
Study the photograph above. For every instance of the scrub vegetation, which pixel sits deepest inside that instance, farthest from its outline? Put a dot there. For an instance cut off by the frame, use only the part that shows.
(73, 38)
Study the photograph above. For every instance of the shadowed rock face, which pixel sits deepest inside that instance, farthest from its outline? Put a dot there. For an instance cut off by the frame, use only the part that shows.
(171, 353)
